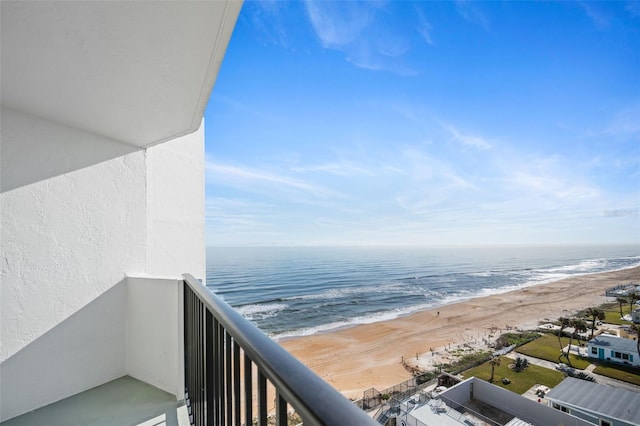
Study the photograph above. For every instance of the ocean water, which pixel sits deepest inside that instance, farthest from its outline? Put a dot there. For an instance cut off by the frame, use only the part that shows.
(301, 291)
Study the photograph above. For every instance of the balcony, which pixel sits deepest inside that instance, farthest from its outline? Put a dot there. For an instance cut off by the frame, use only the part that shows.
(101, 204)
(124, 401)
(223, 354)
(232, 372)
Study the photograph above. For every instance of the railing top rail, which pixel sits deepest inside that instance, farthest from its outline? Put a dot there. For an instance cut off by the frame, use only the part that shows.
(312, 398)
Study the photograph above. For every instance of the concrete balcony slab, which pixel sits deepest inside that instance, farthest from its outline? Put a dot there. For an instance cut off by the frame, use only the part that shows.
(124, 401)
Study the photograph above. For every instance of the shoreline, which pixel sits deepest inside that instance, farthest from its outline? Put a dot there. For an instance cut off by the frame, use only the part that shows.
(283, 337)
(363, 356)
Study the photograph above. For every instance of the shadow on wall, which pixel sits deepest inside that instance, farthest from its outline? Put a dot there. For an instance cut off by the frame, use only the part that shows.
(34, 149)
(63, 361)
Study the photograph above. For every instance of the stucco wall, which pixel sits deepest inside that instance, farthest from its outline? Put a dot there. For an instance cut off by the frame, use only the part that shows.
(153, 332)
(73, 233)
(26, 159)
(68, 238)
(86, 349)
(175, 207)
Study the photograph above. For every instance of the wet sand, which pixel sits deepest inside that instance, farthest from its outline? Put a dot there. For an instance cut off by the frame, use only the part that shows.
(370, 356)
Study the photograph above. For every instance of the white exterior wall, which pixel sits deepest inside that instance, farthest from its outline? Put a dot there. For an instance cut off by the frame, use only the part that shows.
(632, 355)
(521, 407)
(75, 223)
(68, 238)
(510, 402)
(154, 331)
(175, 207)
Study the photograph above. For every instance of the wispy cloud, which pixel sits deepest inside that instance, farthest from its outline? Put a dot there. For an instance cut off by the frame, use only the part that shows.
(626, 123)
(433, 183)
(353, 27)
(338, 24)
(599, 17)
(547, 178)
(633, 8)
(235, 219)
(424, 26)
(471, 12)
(465, 139)
(342, 168)
(245, 108)
(247, 178)
(393, 170)
(553, 186)
(266, 16)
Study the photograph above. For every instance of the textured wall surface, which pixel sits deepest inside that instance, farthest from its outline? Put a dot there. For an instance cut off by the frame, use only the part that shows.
(86, 349)
(70, 236)
(66, 240)
(154, 332)
(34, 149)
(175, 207)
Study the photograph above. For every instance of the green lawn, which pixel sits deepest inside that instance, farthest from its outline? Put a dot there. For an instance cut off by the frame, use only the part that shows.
(613, 317)
(547, 347)
(520, 382)
(508, 339)
(612, 313)
(626, 374)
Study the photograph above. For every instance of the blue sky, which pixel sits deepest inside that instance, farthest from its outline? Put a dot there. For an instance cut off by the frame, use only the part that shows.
(426, 123)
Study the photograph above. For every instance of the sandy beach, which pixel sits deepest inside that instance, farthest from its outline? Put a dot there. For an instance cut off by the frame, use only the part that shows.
(370, 356)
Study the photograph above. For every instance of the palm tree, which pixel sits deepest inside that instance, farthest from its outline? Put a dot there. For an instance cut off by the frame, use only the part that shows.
(564, 323)
(595, 314)
(494, 361)
(633, 298)
(621, 301)
(579, 326)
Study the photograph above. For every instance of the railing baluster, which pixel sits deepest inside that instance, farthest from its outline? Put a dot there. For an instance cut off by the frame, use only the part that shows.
(187, 349)
(220, 355)
(201, 311)
(216, 372)
(214, 337)
(229, 378)
(248, 391)
(262, 399)
(281, 410)
(196, 366)
(210, 368)
(236, 383)
(194, 372)
(214, 367)
(201, 317)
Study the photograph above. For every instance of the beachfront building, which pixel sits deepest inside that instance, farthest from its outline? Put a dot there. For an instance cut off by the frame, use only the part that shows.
(596, 403)
(102, 209)
(623, 290)
(613, 349)
(475, 401)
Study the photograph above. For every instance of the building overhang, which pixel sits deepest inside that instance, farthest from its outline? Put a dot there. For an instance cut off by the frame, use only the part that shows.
(139, 72)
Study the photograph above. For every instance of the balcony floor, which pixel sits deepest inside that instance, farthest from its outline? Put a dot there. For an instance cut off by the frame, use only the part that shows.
(124, 401)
